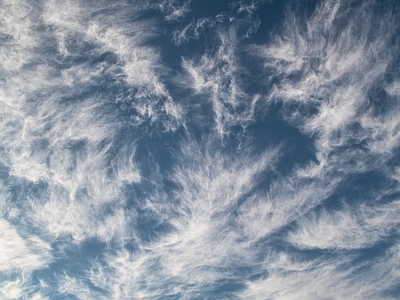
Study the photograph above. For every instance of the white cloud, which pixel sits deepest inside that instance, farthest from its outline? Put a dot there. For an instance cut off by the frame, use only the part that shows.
(140, 63)
(18, 253)
(173, 10)
(218, 215)
(48, 138)
(16, 26)
(351, 228)
(328, 64)
(286, 200)
(201, 239)
(191, 31)
(12, 289)
(38, 296)
(394, 89)
(125, 36)
(330, 278)
(217, 77)
(72, 286)
(324, 70)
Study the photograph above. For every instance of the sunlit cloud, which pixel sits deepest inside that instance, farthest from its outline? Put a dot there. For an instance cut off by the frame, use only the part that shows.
(178, 149)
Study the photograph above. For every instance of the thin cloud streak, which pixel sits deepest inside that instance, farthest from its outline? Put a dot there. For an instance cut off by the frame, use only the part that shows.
(201, 239)
(324, 71)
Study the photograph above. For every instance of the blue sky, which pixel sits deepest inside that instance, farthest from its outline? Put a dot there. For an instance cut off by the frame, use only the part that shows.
(174, 149)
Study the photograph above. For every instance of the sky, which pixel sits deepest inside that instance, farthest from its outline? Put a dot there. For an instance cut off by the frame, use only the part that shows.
(187, 149)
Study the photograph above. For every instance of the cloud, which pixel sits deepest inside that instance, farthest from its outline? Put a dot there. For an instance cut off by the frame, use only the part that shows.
(54, 133)
(287, 199)
(16, 26)
(327, 66)
(85, 31)
(21, 253)
(121, 178)
(191, 31)
(12, 289)
(329, 73)
(351, 228)
(216, 77)
(186, 259)
(173, 10)
(72, 286)
(291, 278)
(18, 253)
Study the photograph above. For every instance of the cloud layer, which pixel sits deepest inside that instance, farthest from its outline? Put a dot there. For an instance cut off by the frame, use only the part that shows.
(157, 150)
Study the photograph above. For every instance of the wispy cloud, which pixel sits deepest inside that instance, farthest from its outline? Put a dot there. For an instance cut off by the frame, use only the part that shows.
(191, 31)
(121, 177)
(350, 228)
(293, 278)
(329, 66)
(20, 253)
(134, 63)
(217, 77)
(61, 141)
(202, 237)
(174, 10)
(326, 70)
